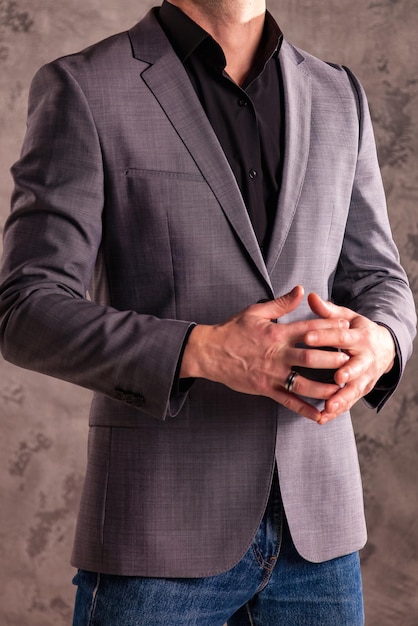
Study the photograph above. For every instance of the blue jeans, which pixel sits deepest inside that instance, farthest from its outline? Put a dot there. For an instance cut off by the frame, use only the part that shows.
(271, 586)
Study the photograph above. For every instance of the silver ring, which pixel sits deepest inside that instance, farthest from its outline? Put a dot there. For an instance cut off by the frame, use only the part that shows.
(290, 381)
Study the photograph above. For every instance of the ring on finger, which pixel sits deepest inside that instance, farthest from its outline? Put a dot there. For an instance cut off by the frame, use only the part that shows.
(290, 381)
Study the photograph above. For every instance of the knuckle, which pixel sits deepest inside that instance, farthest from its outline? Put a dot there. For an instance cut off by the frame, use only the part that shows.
(307, 357)
(345, 336)
(368, 388)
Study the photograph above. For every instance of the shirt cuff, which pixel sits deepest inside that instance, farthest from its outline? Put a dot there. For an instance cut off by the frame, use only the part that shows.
(387, 383)
(181, 385)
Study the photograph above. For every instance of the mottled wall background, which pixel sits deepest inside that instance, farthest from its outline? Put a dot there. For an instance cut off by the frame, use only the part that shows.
(44, 422)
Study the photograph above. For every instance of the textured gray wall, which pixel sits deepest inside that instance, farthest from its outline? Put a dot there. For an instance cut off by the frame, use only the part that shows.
(43, 421)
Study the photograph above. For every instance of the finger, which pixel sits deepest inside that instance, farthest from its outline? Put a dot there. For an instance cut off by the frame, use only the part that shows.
(337, 336)
(307, 388)
(354, 344)
(345, 398)
(296, 331)
(296, 404)
(326, 309)
(316, 359)
(354, 369)
(281, 306)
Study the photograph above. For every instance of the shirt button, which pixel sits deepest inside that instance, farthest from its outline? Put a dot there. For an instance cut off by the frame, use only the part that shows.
(252, 174)
(242, 103)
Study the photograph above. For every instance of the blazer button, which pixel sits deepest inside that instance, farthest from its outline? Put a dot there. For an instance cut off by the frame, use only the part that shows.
(119, 394)
(135, 399)
(129, 397)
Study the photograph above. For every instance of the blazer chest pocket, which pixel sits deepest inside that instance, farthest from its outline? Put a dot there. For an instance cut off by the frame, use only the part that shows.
(164, 175)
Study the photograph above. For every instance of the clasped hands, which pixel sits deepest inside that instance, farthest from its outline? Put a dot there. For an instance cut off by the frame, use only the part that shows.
(251, 355)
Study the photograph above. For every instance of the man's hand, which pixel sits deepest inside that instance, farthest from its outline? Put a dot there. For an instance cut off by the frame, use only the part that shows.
(370, 347)
(250, 354)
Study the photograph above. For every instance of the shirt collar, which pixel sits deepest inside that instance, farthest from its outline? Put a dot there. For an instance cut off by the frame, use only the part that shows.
(186, 36)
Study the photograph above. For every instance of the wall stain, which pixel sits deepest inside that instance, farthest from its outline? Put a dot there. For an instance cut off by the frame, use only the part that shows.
(12, 392)
(412, 245)
(14, 19)
(405, 421)
(369, 448)
(382, 5)
(48, 521)
(15, 94)
(58, 605)
(382, 63)
(23, 455)
(394, 127)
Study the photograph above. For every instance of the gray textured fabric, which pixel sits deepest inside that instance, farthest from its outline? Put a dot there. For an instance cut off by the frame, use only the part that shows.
(134, 199)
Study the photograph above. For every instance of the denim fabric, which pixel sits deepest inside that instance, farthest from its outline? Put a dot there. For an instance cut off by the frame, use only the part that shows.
(271, 586)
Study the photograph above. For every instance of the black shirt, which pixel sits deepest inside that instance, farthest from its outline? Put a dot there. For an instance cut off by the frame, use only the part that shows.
(247, 120)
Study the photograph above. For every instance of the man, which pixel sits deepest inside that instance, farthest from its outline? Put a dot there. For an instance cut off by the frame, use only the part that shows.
(196, 175)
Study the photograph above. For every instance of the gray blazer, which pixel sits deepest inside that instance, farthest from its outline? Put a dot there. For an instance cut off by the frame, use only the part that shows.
(123, 193)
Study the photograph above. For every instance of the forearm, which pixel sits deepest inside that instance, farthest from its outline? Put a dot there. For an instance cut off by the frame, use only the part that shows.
(122, 354)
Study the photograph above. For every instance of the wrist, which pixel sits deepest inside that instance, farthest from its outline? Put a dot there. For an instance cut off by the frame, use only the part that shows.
(192, 364)
(391, 348)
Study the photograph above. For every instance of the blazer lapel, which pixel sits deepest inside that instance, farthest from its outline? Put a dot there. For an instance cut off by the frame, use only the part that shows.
(167, 79)
(297, 94)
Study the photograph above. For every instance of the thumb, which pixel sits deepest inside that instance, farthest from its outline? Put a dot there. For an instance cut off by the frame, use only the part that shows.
(320, 307)
(326, 310)
(273, 309)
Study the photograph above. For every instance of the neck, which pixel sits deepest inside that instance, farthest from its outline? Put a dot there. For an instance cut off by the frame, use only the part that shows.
(236, 25)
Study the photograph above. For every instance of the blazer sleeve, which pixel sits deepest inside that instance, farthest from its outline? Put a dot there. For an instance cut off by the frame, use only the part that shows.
(51, 241)
(369, 277)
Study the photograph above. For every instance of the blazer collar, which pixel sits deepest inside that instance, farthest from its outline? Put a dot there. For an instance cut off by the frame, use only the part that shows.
(297, 90)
